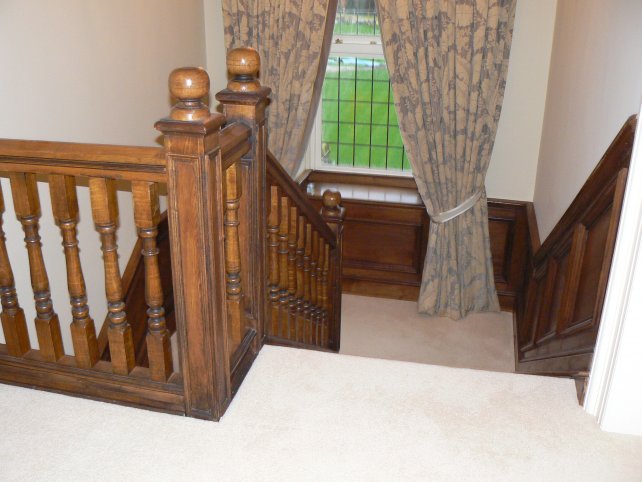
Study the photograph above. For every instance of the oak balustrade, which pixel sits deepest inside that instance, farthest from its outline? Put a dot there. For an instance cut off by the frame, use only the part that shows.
(304, 262)
(252, 261)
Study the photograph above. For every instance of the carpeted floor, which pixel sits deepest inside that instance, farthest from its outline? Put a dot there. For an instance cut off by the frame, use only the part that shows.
(392, 329)
(303, 415)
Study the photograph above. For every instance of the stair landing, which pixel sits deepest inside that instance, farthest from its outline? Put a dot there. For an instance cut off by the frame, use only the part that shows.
(304, 415)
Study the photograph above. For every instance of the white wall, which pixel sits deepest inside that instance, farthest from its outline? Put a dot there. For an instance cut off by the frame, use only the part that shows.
(513, 166)
(595, 84)
(215, 46)
(87, 71)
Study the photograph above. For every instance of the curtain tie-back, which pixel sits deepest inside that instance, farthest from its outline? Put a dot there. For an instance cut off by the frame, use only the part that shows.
(457, 210)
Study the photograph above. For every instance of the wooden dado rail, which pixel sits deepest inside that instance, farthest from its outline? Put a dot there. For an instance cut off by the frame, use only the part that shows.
(224, 276)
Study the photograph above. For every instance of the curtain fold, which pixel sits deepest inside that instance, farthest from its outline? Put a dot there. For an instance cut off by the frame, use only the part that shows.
(293, 38)
(448, 61)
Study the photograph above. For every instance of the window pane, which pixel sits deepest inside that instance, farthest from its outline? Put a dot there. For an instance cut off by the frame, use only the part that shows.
(362, 134)
(359, 123)
(346, 157)
(330, 132)
(363, 113)
(346, 133)
(361, 156)
(394, 157)
(356, 17)
(364, 90)
(394, 137)
(378, 159)
(348, 67)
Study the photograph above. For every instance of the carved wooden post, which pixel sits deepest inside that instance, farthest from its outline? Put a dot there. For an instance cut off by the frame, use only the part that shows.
(27, 206)
(65, 210)
(334, 214)
(147, 217)
(235, 309)
(195, 211)
(245, 100)
(14, 325)
(104, 207)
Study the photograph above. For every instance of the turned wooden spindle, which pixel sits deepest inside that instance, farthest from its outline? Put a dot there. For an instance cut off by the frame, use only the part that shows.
(300, 279)
(292, 287)
(324, 294)
(320, 300)
(307, 255)
(233, 287)
(283, 268)
(147, 217)
(104, 206)
(65, 211)
(14, 325)
(273, 258)
(27, 206)
(314, 261)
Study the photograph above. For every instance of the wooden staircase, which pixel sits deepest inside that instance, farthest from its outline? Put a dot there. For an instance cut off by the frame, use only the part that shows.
(560, 309)
(239, 259)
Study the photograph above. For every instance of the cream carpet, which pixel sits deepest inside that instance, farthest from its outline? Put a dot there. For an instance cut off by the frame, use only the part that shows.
(392, 329)
(303, 415)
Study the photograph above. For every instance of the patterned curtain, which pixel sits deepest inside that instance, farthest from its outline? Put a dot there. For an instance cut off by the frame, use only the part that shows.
(448, 61)
(293, 38)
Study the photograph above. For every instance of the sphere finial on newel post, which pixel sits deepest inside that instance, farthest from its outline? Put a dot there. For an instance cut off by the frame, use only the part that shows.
(189, 85)
(244, 65)
(332, 211)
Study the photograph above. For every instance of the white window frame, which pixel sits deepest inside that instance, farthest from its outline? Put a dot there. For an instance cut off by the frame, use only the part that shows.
(354, 46)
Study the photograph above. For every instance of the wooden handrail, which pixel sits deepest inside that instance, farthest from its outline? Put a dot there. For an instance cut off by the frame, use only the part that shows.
(235, 143)
(617, 156)
(75, 159)
(300, 199)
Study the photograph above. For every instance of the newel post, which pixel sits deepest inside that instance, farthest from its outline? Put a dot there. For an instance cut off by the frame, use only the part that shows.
(245, 100)
(334, 214)
(195, 202)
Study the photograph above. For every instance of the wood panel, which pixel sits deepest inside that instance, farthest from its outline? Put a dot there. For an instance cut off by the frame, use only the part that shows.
(386, 233)
(559, 312)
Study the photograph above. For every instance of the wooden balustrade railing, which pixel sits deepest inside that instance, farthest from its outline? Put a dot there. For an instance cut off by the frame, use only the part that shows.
(251, 260)
(304, 259)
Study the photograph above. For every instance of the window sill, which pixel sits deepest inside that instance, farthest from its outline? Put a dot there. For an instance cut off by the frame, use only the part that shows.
(368, 188)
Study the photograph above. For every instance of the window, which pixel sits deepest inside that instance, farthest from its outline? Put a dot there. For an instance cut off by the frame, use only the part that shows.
(356, 128)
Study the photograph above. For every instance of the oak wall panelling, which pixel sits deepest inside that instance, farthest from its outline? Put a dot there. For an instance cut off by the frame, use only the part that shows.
(386, 232)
